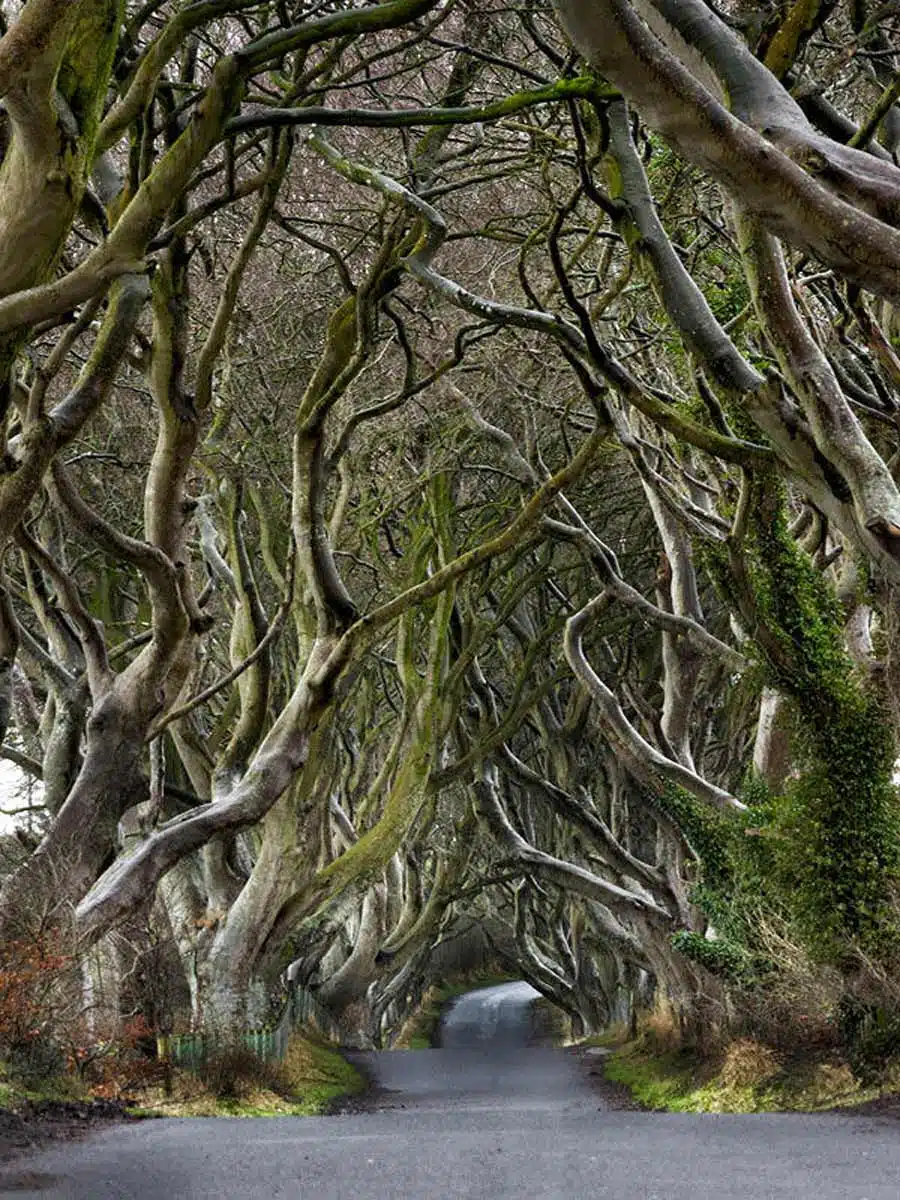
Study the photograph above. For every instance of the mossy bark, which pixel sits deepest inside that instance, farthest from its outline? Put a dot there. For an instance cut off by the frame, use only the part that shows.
(833, 835)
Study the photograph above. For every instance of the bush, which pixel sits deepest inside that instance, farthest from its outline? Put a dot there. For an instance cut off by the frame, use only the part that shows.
(793, 1005)
(115, 1063)
(871, 1035)
(32, 1008)
(235, 1073)
(748, 1064)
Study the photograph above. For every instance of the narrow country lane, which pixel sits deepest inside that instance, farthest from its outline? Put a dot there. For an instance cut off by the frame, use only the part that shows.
(484, 1062)
(483, 1118)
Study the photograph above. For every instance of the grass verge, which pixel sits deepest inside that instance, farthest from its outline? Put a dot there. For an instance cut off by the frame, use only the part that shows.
(311, 1079)
(56, 1089)
(748, 1077)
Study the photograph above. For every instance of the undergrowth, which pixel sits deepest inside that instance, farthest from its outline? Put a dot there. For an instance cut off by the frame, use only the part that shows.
(747, 1077)
(14, 1092)
(311, 1078)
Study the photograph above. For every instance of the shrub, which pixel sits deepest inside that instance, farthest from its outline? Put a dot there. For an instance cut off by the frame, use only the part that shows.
(235, 1073)
(871, 1034)
(33, 1000)
(117, 1063)
(749, 1063)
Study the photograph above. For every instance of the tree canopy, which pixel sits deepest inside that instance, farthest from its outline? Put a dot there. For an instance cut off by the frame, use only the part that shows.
(450, 459)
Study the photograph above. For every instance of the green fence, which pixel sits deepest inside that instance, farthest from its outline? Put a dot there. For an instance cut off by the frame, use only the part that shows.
(301, 1011)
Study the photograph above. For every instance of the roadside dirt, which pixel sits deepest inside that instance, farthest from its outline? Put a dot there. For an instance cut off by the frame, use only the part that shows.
(886, 1107)
(33, 1125)
(616, 1096)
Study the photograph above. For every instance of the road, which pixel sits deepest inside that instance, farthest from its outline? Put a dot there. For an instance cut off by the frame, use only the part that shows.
(483, 1118)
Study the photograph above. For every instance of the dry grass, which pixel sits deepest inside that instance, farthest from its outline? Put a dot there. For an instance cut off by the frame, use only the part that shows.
(236, 1073)
(189, 1098)
(309, 1079)
(660, 1028)
(749, 1076)
(828, 1085)
(749, 1063)
(798, 1004)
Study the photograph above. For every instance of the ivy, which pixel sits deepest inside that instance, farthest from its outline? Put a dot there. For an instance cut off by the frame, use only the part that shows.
(735, 877)
(826, 850)
(719, 956)
(839, 816)
(707, 832)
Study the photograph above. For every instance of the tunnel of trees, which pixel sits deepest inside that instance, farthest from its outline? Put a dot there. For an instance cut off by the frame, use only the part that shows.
(450, 481)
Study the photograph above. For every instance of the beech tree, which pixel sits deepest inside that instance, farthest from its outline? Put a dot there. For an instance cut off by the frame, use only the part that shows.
(451, 474)
(107, 703)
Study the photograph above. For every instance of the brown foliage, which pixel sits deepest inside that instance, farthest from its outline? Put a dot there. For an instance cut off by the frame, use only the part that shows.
(113, 1067)
(749, 1063)
(235, 1073)
(31, 1001)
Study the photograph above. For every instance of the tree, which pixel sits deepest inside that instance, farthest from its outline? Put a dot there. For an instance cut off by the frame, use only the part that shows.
(520, 532)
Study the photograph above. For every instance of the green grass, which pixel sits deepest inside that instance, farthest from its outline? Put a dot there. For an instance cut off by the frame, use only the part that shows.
(610, 1039)
(14, 1092)
(312, 1077)
(671, 1083)
(320, 1075)
(678, 1081)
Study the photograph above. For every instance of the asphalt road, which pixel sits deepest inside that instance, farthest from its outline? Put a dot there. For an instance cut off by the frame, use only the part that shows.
(482, 1118)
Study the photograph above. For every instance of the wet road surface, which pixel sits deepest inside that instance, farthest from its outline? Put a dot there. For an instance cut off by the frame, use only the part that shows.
(483, 1118)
